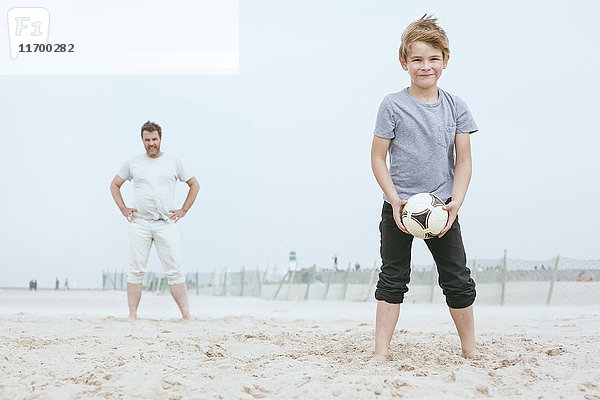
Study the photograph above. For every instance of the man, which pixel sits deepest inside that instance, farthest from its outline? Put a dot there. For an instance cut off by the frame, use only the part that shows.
(153, 218)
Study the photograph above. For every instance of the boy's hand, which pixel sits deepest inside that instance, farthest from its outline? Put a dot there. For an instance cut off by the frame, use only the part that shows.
(452, 209)
(397, 208)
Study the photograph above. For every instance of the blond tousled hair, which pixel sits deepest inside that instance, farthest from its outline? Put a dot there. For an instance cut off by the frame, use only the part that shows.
(425, 30)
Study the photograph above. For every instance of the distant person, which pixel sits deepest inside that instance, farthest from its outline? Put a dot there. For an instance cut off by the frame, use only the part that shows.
(56, 285)
(66, 284)
(426, 132)
(305, 277)
(357, 267)
(152, 220)
(31, 284)
(335, 263)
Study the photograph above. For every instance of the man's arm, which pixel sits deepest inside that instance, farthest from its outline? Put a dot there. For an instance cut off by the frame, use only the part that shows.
(379, 150)
(189, 200)
(462, 177)
(115, 190)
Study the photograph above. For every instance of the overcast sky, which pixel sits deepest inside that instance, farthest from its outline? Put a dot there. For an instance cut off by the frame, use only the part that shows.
(281, 150)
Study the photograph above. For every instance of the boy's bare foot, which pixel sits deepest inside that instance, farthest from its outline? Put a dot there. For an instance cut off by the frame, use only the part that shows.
(187, 317)
(132, 317)
(469, 353)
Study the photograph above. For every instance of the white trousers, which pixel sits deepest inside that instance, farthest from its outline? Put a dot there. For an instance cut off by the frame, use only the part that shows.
(165, 235)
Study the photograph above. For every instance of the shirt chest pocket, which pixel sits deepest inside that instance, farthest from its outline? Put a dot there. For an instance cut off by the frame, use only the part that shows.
(445, 136)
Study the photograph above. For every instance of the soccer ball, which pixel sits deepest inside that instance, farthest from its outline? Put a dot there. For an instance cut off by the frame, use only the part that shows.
(423, 215)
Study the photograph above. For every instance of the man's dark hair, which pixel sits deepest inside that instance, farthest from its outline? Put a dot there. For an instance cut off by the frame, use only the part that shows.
(151, 127)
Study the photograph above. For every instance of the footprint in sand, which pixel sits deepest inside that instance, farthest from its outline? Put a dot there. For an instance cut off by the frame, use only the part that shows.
(256, 391)
(556, 351)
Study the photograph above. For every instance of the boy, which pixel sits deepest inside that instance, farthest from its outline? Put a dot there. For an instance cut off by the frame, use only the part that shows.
(422, 127)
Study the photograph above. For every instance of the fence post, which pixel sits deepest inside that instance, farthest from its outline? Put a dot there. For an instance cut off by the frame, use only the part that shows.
(253, 281)
(503, 279)
(310, 279)
(346, 281)
(197, 287)
(290, 283)
(243, 276)
(258, 282)
(158, 284)
(433, 281)
(474, 271)
(280, 285)
(213, 281)
(264, 276)
(554, 272)
(328, 283)
(371, 280)
(225, 282)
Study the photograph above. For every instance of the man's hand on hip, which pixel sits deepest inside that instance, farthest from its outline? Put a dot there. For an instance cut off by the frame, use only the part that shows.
(176, 215)
(129, 213)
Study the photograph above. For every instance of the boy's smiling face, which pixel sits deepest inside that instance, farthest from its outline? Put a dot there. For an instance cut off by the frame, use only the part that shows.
(424, 64)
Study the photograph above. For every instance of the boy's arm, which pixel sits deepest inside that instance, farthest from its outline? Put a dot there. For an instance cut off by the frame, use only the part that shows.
(462, 177)
(379, 150)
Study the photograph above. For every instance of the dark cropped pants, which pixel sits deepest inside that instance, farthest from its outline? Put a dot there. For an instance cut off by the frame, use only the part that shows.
(448, 253)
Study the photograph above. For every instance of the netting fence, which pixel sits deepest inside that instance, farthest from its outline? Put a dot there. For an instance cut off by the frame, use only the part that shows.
(503, 281)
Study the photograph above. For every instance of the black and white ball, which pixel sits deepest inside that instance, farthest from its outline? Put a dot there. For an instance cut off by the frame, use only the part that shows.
(423, 215)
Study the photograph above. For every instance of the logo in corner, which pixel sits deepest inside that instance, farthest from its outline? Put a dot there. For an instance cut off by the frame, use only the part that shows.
(27, 25)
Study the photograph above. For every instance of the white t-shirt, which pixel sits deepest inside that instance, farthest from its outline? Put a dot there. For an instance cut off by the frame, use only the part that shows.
(154, 183)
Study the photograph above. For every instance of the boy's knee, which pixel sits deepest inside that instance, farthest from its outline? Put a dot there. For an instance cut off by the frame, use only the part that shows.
(463, 302)
(461, 298)
(392, 284)
(389, 296)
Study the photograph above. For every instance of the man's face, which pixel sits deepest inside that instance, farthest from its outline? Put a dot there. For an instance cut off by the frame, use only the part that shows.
(151, 143)
(424, 65)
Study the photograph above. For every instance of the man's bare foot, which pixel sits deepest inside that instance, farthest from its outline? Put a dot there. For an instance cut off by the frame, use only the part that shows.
(132, 317)
(187, 317)
(378, 358)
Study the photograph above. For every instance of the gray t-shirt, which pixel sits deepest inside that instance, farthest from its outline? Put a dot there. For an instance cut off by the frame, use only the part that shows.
(154, 183)
(421, 149)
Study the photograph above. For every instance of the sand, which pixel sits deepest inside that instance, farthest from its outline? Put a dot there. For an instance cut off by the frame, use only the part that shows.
(78, 345)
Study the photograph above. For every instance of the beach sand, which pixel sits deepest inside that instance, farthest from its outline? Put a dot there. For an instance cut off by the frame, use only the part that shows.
(79, 345)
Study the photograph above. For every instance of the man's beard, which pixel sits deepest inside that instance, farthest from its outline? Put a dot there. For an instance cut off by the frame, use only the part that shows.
(153, 150)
